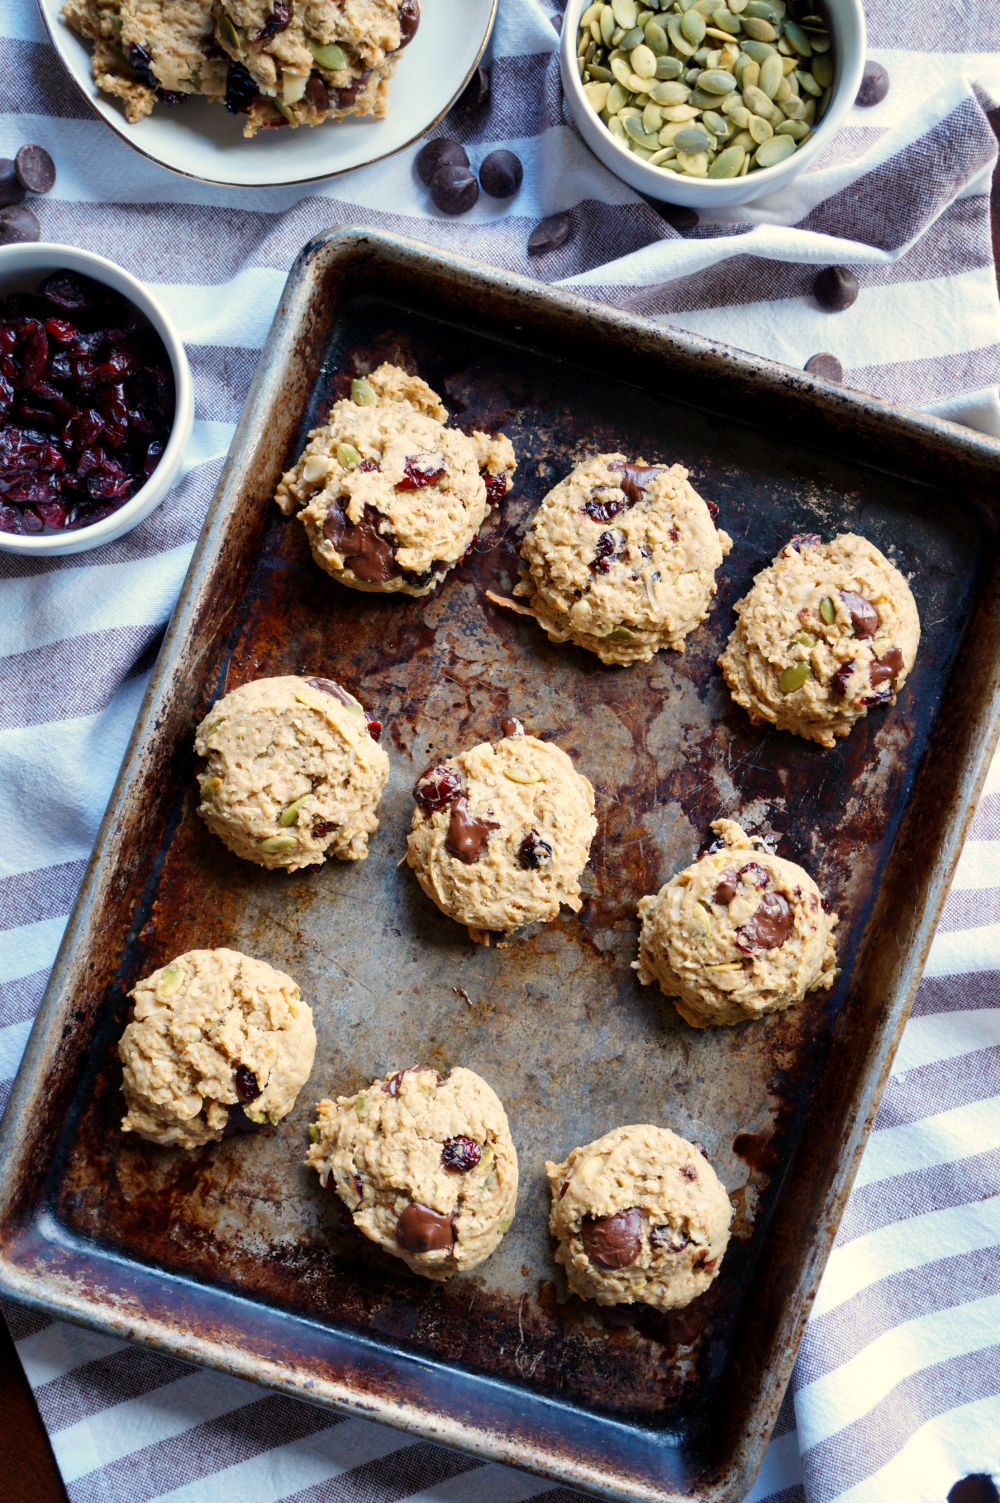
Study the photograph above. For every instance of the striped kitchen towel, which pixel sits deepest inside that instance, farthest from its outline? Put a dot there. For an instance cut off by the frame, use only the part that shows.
(897, 1390)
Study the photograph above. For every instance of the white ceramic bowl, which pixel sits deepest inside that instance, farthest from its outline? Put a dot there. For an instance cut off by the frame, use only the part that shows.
(201, 140)
(847, 26)
(22, 267)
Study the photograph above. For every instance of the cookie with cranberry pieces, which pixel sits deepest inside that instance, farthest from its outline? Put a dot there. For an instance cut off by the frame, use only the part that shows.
(639, 1215)
(422, 1164)
(391, 499)
(740, 933)
(828, 632)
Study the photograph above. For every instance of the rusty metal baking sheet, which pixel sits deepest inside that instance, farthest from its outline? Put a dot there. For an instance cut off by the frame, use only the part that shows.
(230, 1255)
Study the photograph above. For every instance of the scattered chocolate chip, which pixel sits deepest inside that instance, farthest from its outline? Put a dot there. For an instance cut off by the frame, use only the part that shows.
(769, 927)
(511, 726)
(635, 478)
(836, 288)
(409, 20)
(467, 837)
(549, 234)
(501, 174)
(247, 1084)
(11, 188)
(317, 92)
(874, 86)
(864, 616)
(827, 366)
(755, 874)
(677, 215)
(886, 668)
(725, 892)
(18, 223)
(422, 1230)
(688, 1172)
(533, 851)
(436, 788)
(460, 1154)
(667, 1239)
(441, 152)
(613, 1241)
(475, 94)
(454, 190)
(365, 551)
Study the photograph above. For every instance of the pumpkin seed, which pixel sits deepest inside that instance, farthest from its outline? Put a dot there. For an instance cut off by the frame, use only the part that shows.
(758, 51)
(276, 845)
(228, 34)
(751, 77)
(290, 815)
(363, 393)
(656, 39)
(692, 139)
(617, 128)
(807, 81)
(797, 129)
(827, 610)
(822, 70)
(726, 21)
(702, 920)
(635, 132)
(668, 68)
(626, 13)
(597, 95)
(620, 634)
(643, 61)
(717, 124)
(328, 55)
(794, 107)
(348, 456)
(600, 74)
(740, 116)
(518, 774)
(771, 75)
(794, 677)
(804, 639)
(798, 39)
(728, 162)
(652, 119)
(670, 93)
(313, 1132)
(362, 1105)
(617, 99)
(607, 25)
(679, 112)
(695, 163)
(631, 39)
(764, 11)
(171, 980)
(714, 81)
(759, 31)
(693, 27)
(663, 155)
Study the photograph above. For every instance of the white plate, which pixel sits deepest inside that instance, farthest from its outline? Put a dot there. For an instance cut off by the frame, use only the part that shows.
(202, 141)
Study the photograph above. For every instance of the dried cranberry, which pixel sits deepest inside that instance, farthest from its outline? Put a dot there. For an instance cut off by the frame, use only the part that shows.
(668, 1239)
(153, 390)
(344, 1212)
(53, 513)
(122, 359)
(172, 97)
(10, 518)
(61, 330)
(688, 1172)
(31, 354)
(280, 15)
(755, 874)
(109, 487)
(83, 369)
(44, 391)
(803, 540)
(881, 696)
(367, 466)
(606, 501)
(460, 1154)
(31, 520)
(496, 487)
(321, 828)
(142, 65)
(437, 788)
(6, 396)
(605, 552)
(841, 678)
(420, 470)
(241, 91)
(247, 1084)
(72, 292)
(374, 725)
(533, 851)
(153, 455)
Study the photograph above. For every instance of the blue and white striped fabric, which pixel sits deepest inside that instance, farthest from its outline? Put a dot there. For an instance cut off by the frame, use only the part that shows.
(897, 1390)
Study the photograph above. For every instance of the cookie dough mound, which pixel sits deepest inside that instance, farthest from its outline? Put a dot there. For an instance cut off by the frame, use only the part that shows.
(827, 631)
(621, 559)
(391, 498)
(293, 773)
(144, 52)
(214, 1032)
(639, 1214)
(424, 1166)
(740, 933)
(322, 60)
(502, 832)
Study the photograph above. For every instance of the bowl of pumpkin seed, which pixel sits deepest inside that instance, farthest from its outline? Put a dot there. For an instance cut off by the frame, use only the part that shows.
(709, 103)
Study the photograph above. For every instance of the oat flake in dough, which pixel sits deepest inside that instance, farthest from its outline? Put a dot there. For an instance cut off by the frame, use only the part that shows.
(293, 774)
(424, 1166)
(740, 933)
(510, 843)
(639, 1215)
(621, 559)
(391, 499)
(213, 1032)
(828, 631)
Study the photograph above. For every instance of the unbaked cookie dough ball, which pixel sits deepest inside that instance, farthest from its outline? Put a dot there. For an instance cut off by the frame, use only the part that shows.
(294, 772)
(424, 1166)
(502, 832)
(214, 1033)
(827, 631)
(621, 559)
(639, 1214)
(740, 933)
(391, 498)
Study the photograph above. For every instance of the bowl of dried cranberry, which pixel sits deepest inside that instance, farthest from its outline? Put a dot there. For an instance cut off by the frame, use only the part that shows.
(96, 401)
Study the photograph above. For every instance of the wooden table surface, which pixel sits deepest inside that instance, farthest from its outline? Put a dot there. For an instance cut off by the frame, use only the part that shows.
(28, 1472)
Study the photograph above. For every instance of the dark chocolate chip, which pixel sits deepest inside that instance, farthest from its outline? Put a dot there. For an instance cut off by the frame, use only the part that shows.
(501, 174)
(454, 190)
(11, 188)
(18, 223)
(441, 152)
(317, 92)
(409, 20)
(825, 365)
(635, 478)
(887, 668)
(467, 837)
(549, 234)
(726, 890)
(421, 1229)
(836, 288)
(613, 1241)
(366, 552)
(874, 86)
(864, 616)
(769, 927)
(511, 726)
(475, 94)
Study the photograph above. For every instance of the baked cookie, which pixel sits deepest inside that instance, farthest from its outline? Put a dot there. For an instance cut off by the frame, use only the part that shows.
(391, 498)
(144, 52)
(827, 631)
(424, 1166)
(294, 772)
(621, 559)
(214, 1033)
(502, 832)
(639, 1214)
(319, 61)
(740, 933)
